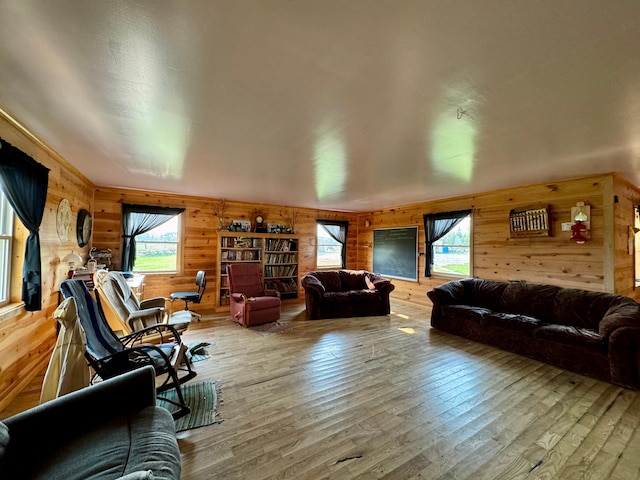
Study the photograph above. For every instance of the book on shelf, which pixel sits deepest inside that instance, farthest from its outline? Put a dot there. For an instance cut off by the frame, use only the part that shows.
(281, 245)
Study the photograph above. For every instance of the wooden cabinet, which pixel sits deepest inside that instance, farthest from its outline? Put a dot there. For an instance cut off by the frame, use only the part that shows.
(276, 254)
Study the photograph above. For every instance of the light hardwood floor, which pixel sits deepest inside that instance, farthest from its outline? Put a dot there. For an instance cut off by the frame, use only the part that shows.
(389, 397)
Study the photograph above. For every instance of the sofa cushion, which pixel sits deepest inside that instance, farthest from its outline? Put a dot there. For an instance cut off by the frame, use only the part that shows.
(582, 308)
(483, 293)
(366, 296)
(338, 297)
(369, 282)
(153, 444)
(144, 441)
(510, 321)
(464, 312)
(330, 280)
(261, 303)
(352, 280)
(569, 335)
(529, 299)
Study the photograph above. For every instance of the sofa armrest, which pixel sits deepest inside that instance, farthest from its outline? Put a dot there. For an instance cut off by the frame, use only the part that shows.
(622, 314)
(624, 356)
(80, 410)
(450, 293)
(381, 284)
(311, 284)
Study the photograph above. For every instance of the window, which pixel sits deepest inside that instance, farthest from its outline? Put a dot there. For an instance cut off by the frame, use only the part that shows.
(448, 243)
(452, 253)
(331, 238)
(137, 220)
(6, 237)
(157, 249)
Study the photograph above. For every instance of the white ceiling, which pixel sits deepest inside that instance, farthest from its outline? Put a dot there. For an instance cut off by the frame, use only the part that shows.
(338, 104)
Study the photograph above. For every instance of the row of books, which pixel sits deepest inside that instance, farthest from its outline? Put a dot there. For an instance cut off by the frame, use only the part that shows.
(238, 255)
(281, 245)
(280, 270)
(280, 258)
(240, 242)
(283, 286)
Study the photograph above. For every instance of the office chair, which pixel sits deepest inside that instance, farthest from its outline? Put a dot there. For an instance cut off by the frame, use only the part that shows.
(193, 297)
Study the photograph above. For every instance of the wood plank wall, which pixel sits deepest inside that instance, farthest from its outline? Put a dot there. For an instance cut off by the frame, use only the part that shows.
(553, 260)
(603, 264)
(26, 338)
(202, 217)
(626, 199)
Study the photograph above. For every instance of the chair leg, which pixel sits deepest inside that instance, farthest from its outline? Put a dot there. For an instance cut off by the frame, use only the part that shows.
(174, 381)
(193, 314)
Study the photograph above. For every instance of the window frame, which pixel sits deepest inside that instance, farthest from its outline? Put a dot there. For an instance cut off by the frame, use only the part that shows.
(179, 249)
(344, 226)
(7, 221)
(438, 225)
(454, 275)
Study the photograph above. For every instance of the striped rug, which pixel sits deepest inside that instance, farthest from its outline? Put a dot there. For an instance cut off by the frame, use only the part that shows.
(202, 398)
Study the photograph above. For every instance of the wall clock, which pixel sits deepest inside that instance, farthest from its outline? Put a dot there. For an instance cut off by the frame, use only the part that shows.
(83, 227)
(63, 220)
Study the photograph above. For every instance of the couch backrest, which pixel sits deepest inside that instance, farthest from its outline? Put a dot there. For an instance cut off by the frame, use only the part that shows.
(549, 303)
(353, 280)
(483, 293)
(330, 279)
(530, 299)
(582, 308)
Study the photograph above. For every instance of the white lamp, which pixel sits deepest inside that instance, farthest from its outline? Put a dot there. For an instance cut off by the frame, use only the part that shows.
(74, 260)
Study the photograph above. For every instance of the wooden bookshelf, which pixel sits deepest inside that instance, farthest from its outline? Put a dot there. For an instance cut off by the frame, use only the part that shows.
(277, 255)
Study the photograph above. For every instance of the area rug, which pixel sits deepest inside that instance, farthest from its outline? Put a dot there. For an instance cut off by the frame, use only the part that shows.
(267, 329)
(199, 351)
(203, 398)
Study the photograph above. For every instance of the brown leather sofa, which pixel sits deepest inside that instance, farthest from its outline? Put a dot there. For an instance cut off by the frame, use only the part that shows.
(592, 333)
(345, 293)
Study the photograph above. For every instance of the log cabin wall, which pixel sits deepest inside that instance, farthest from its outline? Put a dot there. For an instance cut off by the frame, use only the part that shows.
(601, 264)
(202, 223)
(27, 338)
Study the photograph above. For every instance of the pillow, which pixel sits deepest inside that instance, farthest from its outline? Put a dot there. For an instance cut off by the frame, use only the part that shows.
(4, 438)
(370, 284)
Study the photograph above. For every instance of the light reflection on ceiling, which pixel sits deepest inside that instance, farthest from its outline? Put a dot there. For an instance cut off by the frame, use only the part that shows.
(327, 104)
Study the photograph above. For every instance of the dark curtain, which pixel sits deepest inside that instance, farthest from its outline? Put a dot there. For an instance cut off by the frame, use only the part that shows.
(136, 220)
(338, 231)
(436, 226)
(24, 182)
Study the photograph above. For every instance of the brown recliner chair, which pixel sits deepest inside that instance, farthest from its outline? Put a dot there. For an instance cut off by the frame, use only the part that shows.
(250, 303)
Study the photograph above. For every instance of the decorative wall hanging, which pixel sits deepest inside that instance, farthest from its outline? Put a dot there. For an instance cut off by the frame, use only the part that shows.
(530, 222)
(63, 220)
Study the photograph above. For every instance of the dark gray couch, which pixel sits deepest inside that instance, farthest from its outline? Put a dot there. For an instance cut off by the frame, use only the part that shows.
(111, 430)
(593, 333)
